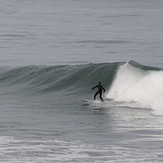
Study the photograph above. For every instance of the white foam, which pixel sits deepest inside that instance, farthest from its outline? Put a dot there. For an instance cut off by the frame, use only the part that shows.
(18, 150)
(143, 87)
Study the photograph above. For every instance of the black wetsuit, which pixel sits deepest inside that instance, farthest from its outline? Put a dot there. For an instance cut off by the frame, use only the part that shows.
(99, 91)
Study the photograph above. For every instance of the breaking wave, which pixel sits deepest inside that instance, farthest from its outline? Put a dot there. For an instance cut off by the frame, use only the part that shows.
(140, 84)
(127, 82)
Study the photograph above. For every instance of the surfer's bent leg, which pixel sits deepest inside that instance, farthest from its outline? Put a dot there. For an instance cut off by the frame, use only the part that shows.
(95, 95)
(101, 97)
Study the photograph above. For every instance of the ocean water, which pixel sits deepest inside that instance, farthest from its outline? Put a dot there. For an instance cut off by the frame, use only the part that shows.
(52, 52)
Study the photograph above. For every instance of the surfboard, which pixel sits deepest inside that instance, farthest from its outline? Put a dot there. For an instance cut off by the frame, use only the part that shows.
(96, 101)
(90, 101)
(84, 100)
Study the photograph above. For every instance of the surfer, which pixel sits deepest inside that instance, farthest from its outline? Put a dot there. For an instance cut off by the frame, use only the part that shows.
(99, 91)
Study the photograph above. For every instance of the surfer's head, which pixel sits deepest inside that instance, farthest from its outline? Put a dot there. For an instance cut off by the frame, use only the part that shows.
(99, 83)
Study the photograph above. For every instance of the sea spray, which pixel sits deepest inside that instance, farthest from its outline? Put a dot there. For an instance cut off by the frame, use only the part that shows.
(141, 86)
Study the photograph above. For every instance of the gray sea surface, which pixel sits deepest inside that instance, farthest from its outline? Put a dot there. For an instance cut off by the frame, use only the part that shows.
(48, 48)
(75, 31)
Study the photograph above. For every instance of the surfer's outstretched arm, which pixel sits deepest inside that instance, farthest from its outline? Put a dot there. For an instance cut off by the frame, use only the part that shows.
(94, 87)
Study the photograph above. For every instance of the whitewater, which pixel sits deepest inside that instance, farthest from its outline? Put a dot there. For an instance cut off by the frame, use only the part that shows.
(133, 84)
(52, 53)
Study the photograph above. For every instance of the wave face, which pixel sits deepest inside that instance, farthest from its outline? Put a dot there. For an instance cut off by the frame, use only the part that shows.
(140, 84)
(56, 78)
(125, 82)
